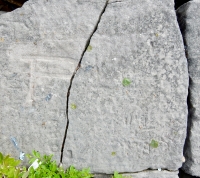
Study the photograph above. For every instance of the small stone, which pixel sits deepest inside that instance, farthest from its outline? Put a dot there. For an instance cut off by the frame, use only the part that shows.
(183, 159)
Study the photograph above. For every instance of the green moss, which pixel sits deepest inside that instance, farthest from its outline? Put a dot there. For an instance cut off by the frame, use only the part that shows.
(126, 82)
(113, 153)
(73, 106)
(89, 48)
(154, 144)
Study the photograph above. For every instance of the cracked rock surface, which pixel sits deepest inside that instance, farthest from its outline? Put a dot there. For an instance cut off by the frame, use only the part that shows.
(40, 45)
(154, 174)
(146, 174)
(189, 20)
(128, 101)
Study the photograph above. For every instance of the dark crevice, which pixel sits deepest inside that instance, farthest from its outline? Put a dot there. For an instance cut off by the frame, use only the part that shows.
(187, 146)
(181, 16)
(182, 174)
(179, 3)
(115, 2)
(10, 5)
(71, 80)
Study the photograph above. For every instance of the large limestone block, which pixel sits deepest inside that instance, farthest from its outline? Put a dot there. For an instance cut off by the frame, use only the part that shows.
(189, 19)
(40, 45)
(112, 125)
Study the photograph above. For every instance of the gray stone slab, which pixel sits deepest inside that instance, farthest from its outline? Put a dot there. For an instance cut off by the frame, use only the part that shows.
(189, 19)
(112, 125)
(145, 174)
(40, 45)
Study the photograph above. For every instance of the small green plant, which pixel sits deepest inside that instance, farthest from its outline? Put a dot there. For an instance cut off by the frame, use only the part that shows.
(117, 175)
(8, 167)
(154, 144)
(45, 167)
(42, 167)
(126, 82)
(49, 169)
(74, 173)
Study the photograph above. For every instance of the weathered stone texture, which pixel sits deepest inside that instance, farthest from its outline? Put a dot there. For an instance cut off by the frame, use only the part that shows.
(2, 12)
(153, 174)
(145, 174)
(189, 20)
(40, 45)
(113, 126)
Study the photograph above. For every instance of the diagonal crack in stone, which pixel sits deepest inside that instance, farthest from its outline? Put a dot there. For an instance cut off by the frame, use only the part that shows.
(73, 75)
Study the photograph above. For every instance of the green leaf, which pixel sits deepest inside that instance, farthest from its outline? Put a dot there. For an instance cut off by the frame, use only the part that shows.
(32, 160)
(154, 144)
(1, 158)
(25, 175)
(28, 156)
(47, 168)
(72, 172)
(36, 154)
(116, 175)
(126, 82)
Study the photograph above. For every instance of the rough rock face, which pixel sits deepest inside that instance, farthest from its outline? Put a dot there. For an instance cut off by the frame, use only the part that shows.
(127, 104)
(146, 174)
(189, 19)
(40, 45)
(2, 12)
(153, 174)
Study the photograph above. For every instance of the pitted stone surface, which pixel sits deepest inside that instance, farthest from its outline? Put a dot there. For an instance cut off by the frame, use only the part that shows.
(189, 20)
(40, 45)
(153, 174)
(145, 174)
(112, 126)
